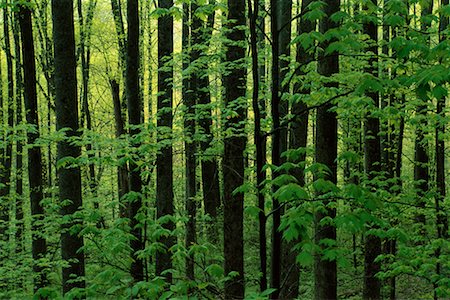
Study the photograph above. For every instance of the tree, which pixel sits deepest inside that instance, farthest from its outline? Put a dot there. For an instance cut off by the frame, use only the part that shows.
(325, 270)
(69, 178)
(372, 157)
(134, 119)
(164, 159)
(234, 82)
(35, 166)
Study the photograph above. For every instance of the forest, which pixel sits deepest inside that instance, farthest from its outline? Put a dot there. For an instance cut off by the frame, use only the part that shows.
(224, 149)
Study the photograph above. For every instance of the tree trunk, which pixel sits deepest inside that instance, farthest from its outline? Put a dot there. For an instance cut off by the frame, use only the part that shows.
(69, 179)
(275, 271)
(190, 82)
(209, 165)
(372, 157)
(122, 171)
(164, 159)
(134, 119)
(234, 83)
(7, 158)
(19, 142)
(35, 166)
(259, 141)
(325, 271)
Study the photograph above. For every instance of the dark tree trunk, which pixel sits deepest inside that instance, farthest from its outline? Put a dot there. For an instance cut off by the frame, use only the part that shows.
(298, 136)
(19, 143)
(325, 271)
(164, 159)
(234, 146)
(134, 119)
(421, 156)
(7, 158)
(372, 157)
(209, 165)
(69, 179)
(259, 141)
(190, 86)
(122, 171)
(35, 166)
(275, 271)
(441, 215)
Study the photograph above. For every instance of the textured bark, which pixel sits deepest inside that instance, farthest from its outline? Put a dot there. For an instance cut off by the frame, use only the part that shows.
(164, 159)
(134, 119)
(325, 271)
(69, 179)
(234, 83)
(35, 166)
(372, 161)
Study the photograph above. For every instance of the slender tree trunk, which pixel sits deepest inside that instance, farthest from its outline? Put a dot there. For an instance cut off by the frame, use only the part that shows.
(7, 159)
(258, 140)
(372, 157)
(85, 53)
(164, 159)
(441, 216)
(234, 146)
(19, 143)
(69, 179)
(35, 166)
(325, 271)
(209, 165)
(275, 270)
(135, 119)
(122, 171)
(421, 157)
(190, 83)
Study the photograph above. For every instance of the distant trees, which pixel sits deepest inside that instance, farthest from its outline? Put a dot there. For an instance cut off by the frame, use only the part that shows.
(261, 133)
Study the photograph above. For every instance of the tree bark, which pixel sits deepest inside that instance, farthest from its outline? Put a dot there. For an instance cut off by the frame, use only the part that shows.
(134, 119)
(5, 189)
(164, 159)
(35, 166)
(372, 157)
(325, 271)
(69, 179)
(234, 83)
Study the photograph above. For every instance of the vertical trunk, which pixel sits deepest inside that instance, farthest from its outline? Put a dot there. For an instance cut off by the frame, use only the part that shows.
(253, 12)
(164, 159)
(289, 268)
(441, 216)
(421, 157)
(19, 143)
(189, 95)
(69, 179)
(7, 158)
(35, 166)
(209, 165)
(276, 149)
(234, 146)
(372, 157)
(85, 53)
(325, 271)
(122, 171)
(134, 117)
